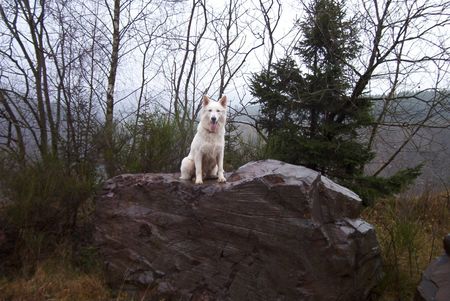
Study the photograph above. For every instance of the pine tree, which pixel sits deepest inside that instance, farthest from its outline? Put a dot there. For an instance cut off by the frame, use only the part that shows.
(309, 117)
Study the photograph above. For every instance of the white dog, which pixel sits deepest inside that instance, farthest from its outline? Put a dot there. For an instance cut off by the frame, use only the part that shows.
(205, 158)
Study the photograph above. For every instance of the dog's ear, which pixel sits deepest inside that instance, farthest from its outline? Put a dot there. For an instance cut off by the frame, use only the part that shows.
(205, 100)
(223, 101)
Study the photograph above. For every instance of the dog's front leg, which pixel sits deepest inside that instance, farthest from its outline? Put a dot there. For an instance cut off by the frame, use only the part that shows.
(198, 168)
(221, 178)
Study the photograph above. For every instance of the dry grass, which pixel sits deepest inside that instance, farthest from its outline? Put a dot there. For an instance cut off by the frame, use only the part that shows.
(54, 280)
(410, 232)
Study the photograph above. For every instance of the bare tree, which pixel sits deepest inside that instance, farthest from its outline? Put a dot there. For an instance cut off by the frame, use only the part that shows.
(44, 93)
(271, 24)
(29, 85)
(234, 49)
(268, 16)
(403, 40)
(149, 41)
(15, 143)
(114, 40)
(193, 38)
(114, 62)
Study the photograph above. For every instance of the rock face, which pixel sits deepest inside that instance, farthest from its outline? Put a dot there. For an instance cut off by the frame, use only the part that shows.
(274, 231)
(435, 283)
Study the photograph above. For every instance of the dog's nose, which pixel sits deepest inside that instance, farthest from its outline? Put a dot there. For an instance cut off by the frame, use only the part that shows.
(214, 119)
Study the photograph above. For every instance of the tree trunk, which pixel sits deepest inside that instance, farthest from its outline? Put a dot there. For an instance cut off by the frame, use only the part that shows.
(109, 120)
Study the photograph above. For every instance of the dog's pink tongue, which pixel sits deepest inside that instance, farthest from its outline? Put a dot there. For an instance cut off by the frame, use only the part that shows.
(213, 127)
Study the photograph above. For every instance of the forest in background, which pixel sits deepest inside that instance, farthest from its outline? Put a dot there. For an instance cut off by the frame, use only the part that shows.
(92, 89)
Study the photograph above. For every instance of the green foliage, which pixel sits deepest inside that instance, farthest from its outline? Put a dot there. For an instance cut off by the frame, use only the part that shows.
(155, 145)
(241, 151)
(308, 117)
(371, 188)
(86, 259)
(329, 42)
(339, 158)
(42, 192)
(43, 202)
(159, 146)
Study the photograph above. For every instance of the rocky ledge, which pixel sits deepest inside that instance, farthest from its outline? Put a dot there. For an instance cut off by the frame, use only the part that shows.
(274, 231)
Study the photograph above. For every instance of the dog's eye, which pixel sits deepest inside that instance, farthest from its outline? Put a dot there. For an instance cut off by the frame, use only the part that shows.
(209, 110)
(218, 111)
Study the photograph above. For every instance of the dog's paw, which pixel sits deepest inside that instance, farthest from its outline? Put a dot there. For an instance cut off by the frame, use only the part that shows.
(221, 180)
(198, 181)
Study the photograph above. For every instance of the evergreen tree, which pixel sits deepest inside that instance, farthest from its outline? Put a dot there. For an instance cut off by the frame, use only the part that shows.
(308, 116)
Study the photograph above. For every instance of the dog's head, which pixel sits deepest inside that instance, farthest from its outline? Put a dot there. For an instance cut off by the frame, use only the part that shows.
(214, 113)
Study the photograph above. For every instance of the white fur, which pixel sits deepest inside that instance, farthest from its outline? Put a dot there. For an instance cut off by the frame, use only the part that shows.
(205, 158)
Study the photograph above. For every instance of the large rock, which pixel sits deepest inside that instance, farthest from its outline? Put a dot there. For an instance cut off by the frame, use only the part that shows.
(435, 282)
(274, 231)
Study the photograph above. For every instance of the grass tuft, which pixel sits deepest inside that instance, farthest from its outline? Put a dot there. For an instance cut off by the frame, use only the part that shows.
(410, 233)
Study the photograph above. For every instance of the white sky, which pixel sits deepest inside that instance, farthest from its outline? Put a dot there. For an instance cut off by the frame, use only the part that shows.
(160, 68)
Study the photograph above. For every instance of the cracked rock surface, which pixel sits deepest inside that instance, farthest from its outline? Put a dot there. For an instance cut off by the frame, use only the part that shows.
(274, 231)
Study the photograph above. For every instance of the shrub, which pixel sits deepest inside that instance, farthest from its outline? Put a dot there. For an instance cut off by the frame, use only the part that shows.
(242, 150)
(43, 203)
(47, 195)
(409, 231)
(156, 145)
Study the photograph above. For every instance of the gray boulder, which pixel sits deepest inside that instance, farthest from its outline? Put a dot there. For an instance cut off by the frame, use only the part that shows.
(435, 282)
(274, 231)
